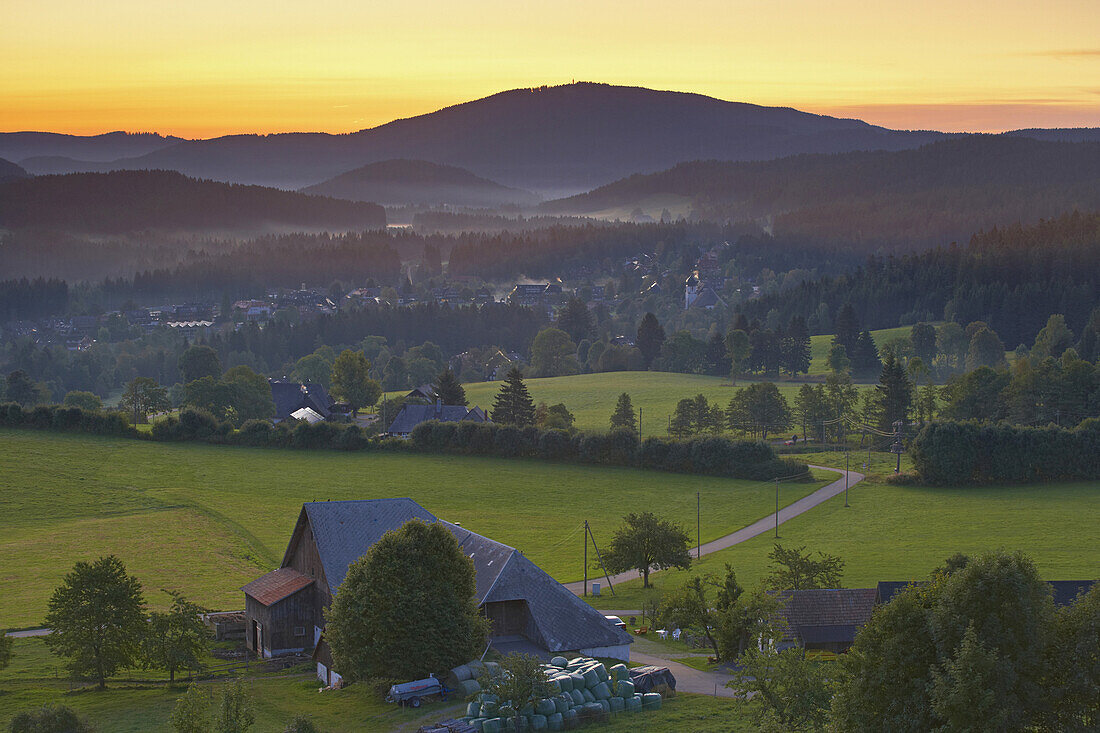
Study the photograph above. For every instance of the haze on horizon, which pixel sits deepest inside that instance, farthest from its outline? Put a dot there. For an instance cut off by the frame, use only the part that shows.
(214, 68)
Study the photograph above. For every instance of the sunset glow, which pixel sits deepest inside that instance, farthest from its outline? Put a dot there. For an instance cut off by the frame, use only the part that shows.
(205, 68)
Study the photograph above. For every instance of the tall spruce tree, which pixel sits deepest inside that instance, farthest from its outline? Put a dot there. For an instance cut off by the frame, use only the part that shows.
(651, 337)
(865, 359)
(576, 320)
(895, 392)
(795, 347)
(846, 328)
(513, 404)
(449, 389)
(623, 417)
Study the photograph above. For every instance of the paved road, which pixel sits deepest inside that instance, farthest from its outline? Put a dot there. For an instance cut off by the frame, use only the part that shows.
(27, 633)
(759, 527)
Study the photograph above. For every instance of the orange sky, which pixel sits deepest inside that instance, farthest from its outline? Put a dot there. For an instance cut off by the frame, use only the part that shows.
(205, 68)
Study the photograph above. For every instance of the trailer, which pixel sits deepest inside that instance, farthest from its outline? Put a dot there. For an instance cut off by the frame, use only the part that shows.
(412, 693)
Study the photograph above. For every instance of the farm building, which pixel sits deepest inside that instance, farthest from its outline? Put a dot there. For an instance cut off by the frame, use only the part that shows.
(529, 611)
(412, 415)
(825, 618)
(290, 397)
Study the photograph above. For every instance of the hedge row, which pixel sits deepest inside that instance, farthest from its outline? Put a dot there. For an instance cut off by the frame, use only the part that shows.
(976, 453)
(710, 456)
(66, 419)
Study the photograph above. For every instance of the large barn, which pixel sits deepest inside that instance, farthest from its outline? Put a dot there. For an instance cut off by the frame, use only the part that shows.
(529, 611)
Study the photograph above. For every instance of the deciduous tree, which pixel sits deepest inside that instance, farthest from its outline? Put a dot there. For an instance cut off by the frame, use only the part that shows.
(796, 569)
(97, 619)
(142, 396)
(759, 408)
(553, 354)
(176, 638)
(645, 542)
(407, 607)
(198, 362)
(351, 380)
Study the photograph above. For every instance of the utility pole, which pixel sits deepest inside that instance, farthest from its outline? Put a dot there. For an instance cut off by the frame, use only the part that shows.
(639, 423)
(698, 536)
(586, 557)
(777, 507)
(897, 444)
(845, 479)
(599, 557)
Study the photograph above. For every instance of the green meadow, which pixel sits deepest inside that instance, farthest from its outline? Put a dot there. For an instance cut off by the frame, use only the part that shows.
(207, 519)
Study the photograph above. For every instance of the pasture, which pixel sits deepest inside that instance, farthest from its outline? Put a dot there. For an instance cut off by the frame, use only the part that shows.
(205, 519)
(903, 532)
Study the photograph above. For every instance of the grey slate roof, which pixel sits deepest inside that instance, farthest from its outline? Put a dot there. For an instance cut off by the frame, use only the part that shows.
(1064, 592)
(412, 415)
(291, 396)
(345, 530)
(835, 613)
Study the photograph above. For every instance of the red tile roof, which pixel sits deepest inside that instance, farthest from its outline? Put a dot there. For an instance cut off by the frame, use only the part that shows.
(276, 585)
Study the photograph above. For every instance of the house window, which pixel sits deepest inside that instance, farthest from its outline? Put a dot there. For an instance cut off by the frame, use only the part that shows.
(299, 630)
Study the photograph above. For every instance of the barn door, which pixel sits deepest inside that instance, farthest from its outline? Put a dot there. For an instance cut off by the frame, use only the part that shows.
(259, 639)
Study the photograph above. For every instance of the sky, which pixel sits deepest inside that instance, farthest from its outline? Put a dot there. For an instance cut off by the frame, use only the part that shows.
(204, 68)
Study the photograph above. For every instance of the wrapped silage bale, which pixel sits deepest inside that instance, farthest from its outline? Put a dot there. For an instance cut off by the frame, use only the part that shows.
(462, 672)
(476, 668)
(555, 684)
(469, 687)
(555, 722)
(601, 672)
(601, 691)
(493, 668)
(651, 701)
(559, 662)
(489, 708)
(588, 696)
(477, 724)
(473, 710)
(578, 697)
(593, 708)
(569, 716)
(565, 683)
(634, 704)
(591, 679)
(492, 725)
(624, 688)
(617, 704)
(578, 680)
(545, 707)
(538, 722)
(620, 672)
(563, 702)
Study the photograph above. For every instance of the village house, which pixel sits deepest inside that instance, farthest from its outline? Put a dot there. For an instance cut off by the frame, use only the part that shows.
(291, 397)
(528, 610)
(412, 415)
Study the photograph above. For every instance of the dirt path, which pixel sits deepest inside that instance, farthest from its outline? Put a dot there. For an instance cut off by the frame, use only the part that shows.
(758, 527)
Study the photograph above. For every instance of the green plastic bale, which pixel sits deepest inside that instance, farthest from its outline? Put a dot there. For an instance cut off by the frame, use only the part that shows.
(478, 724)
(569, 715)
(538, 722)
(617, 704)
(601, 691)
(562, 703)
(591, 679)
(493, 668)
(559, 662)
(605, 706)
(565, 682)
(634, 704)
(578, 697)
(555, 684)
(492, 725)
(473, 710)
(578, 680)
(545, 707)
(651, 701)
(462, 673)
(620, 672)
(488, 697)
(588, 696)
(469, 687)
(601, 672)
(527, 709)
(489, 709)
(593, 708)
(578, 662)
(624, 688)
(555, 721)
(476, 668)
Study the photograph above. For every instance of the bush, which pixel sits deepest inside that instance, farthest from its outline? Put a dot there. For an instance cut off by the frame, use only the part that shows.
(50, 719)
(301, 724)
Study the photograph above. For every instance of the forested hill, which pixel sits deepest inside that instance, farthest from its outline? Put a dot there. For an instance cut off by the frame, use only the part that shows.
(123, 201)
(937, 193)
(419, 182)
(20, 146)
(1012, 278)
(551, 140)
(10, 171)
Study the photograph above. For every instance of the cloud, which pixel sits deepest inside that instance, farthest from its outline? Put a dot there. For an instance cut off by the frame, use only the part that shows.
(1069, 53)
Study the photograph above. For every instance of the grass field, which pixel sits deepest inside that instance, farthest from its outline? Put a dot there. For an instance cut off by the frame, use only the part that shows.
(903, 532)
(207, 519)
(820, 345)
(133, 705)
(592, 397)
